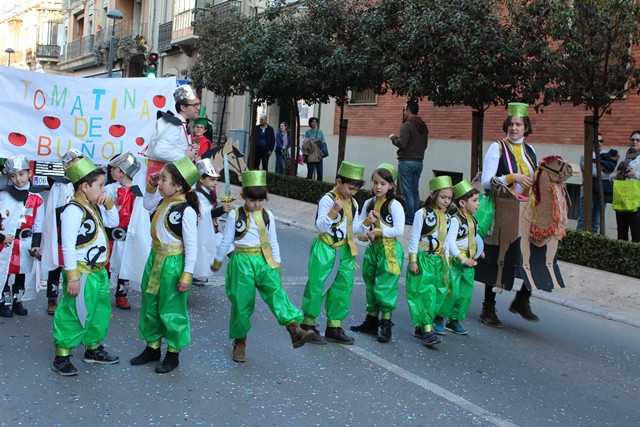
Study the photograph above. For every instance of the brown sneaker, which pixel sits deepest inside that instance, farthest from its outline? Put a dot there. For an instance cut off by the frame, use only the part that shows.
(52, 304)
(299, 336)
(123, 303)
(240, 350)
(317, 336)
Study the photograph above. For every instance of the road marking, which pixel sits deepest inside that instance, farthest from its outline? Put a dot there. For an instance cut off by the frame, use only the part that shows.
(428, 385)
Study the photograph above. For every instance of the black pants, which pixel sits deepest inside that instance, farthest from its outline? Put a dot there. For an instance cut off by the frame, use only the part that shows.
(18, 285)
(53, 281)
(317, 167)
(626, 221)
(262, 156)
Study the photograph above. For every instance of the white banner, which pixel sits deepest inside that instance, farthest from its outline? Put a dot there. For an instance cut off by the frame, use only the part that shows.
(43, 115)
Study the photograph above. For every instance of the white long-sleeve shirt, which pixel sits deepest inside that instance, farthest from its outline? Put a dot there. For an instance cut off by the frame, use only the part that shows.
(189, 230)
(324, 224)
(455, 244)
(251, 238)
(169, 142)
(492, 161)
(397, 213)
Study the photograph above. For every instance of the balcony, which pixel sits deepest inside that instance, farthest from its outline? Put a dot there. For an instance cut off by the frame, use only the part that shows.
(164, 37)
(44, 52)
(78, 48)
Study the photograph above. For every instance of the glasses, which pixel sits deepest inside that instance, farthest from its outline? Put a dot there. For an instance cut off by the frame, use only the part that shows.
(635, 139)
(197, 105)
(601, 141)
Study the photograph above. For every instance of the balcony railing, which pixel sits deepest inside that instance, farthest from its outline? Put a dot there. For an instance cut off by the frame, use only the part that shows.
(123, 28)
(77, 48)
(164, 36)
(47, 51)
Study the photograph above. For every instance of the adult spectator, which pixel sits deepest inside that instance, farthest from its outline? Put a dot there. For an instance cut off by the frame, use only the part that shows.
(607, 163)
(265, 143)
(171, 140)
(514, 163)
(412, 143)
(314, 138)
(628, 169)
(283, 148)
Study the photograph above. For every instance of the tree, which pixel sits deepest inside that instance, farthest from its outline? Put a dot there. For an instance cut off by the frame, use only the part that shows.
(346, 53)
(590, 59)
(461, 52)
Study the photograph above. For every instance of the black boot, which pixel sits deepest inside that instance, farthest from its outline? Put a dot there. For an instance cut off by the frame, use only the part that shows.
(63, 366)
(169, 363)
(317, 337)
(369, 326)
(148, 355)
(384, 332)
(336, 334)
(520, 305)
(18, 308)
(5, 310)
(488, 315)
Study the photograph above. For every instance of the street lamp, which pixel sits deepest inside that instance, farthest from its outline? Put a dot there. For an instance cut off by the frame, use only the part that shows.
(9, 51)
(114, 14)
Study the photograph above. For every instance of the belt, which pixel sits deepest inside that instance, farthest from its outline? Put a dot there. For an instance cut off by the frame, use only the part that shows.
(247, 250)
(117, 233)
(86, 268)
(328, 240)
(24, 233)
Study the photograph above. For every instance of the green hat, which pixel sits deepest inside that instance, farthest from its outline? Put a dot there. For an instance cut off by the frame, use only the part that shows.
(187, 169)
(256, 178)
(80, 169)
(202, 118)
(352, 171)
(392, 169)
(518, 109)
(440, 182)
(461, 188)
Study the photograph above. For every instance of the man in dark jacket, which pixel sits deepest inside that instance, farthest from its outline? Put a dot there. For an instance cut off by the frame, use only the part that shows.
(265, 143)
(412, 143)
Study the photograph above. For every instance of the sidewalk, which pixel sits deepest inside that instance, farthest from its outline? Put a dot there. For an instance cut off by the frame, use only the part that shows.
(598, 292)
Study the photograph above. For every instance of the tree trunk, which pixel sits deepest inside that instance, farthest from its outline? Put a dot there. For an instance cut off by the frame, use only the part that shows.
(590, 126)
(477, 124)
(342, 138)
(293, 152)
(224, 109)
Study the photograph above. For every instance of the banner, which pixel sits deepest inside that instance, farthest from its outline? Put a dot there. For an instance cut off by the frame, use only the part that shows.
(44, 115)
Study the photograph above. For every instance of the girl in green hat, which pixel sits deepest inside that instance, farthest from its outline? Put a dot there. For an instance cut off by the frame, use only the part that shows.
(383, 258)
(426, 287)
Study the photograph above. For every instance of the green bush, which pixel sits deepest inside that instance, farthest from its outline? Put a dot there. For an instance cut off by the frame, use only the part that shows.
(601, 252)
(306, 190)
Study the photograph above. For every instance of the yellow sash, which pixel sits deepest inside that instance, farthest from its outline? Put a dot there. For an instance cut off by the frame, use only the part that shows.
(162, 250)
(264, 239)
(389, 243)
(348, 214)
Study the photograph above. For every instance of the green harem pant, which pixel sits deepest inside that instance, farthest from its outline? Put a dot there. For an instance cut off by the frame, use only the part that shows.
(381, 285)
(458, 300)
(245, 273)
(93, 302)
(338, 297)
(164, 315)
(427, 290)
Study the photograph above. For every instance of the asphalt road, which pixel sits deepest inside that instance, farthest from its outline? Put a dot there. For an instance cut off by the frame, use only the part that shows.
(571, 368)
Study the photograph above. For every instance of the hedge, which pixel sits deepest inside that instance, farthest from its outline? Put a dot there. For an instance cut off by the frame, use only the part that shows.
(600, 252)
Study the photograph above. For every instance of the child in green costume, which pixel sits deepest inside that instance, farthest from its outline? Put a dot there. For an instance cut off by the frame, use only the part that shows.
(83, 315)
(464, 246)
(384, 256)
(255, 263)
(426, 287)
(168, 273)
(336, 221)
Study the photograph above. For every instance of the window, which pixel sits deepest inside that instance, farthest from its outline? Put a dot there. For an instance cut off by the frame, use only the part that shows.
(367, 97)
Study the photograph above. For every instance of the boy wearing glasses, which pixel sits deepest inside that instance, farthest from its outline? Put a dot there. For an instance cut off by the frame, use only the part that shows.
(172, 140)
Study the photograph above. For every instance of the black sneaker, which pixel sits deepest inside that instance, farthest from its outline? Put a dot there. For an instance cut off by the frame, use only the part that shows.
(338, 335)
(317, 337)
(419, 332)
(100, 355)
(63, 366)
(431, 338)
(148, 355)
